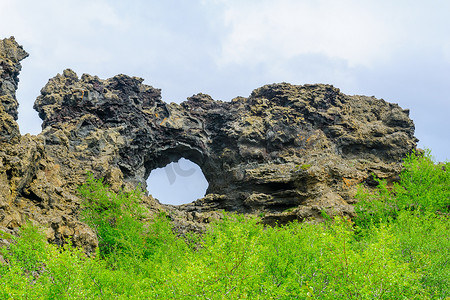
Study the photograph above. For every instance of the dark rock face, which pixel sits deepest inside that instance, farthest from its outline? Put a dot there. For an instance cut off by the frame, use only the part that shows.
(282, 148)
(10, 56)
(286, 151)
(31, 186)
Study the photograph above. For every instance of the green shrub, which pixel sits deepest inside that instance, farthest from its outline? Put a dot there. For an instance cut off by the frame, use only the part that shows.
(326, 262)
(418, 210)
(28, 252)
(398, 249)
(4, 235)
(424, 241)
(423, 186)
(125, 241)
(115, 217)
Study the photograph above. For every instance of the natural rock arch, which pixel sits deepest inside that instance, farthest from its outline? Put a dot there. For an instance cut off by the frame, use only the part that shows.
(287, 151)
(284, 147)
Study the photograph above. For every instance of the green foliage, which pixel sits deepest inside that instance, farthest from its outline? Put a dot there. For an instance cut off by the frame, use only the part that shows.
(418, 208)
(424, 241)
(28, 252)
(305, 167)
(325, 215)
(424, 186)
(4, 235)
(397, 249)
(115, 217)
(38, 270)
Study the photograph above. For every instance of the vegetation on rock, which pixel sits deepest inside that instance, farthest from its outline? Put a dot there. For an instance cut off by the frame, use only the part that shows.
(396, 248)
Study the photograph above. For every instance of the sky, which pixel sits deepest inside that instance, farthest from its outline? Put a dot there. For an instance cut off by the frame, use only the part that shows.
(397, 50)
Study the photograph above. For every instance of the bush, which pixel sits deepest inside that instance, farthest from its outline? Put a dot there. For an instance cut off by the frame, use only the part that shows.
(397, 249)
(423, 186)
(418, 209)
(115, 217)
(424, 241)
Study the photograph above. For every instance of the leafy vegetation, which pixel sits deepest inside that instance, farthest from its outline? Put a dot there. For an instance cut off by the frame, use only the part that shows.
(397, 248)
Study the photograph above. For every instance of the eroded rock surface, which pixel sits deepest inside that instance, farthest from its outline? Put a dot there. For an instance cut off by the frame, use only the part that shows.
(10, 56)
(286, 152)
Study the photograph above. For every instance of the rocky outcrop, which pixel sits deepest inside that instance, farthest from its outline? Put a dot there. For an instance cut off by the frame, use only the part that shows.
(31, 186)
(286, 152)
(10, 56)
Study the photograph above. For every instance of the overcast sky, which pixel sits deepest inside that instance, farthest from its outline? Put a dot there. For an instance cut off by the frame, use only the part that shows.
(398, 50)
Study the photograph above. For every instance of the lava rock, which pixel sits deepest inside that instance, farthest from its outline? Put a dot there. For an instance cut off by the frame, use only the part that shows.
(287, 152)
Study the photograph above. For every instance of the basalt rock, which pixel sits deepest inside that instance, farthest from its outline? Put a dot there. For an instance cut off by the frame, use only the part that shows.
(31, 187)
(286, 152)
(10, 56)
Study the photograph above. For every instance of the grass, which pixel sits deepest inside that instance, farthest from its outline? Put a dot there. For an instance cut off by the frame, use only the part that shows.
(4, 235)
(397, 248)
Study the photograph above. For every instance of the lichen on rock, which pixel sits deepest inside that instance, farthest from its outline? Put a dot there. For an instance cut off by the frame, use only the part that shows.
(286, 152)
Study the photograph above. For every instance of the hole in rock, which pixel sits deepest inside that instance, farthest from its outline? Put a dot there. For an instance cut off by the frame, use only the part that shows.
(177, 183)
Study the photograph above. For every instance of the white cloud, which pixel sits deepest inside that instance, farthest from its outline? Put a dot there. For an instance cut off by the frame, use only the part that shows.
(363, 33)
(287, 28)
(37, 23)
(60, 34)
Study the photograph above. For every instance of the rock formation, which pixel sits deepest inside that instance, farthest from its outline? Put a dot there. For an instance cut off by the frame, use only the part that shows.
(10, 56)
(286, 152)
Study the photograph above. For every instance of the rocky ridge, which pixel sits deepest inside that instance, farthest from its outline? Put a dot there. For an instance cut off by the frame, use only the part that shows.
(286, 152)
